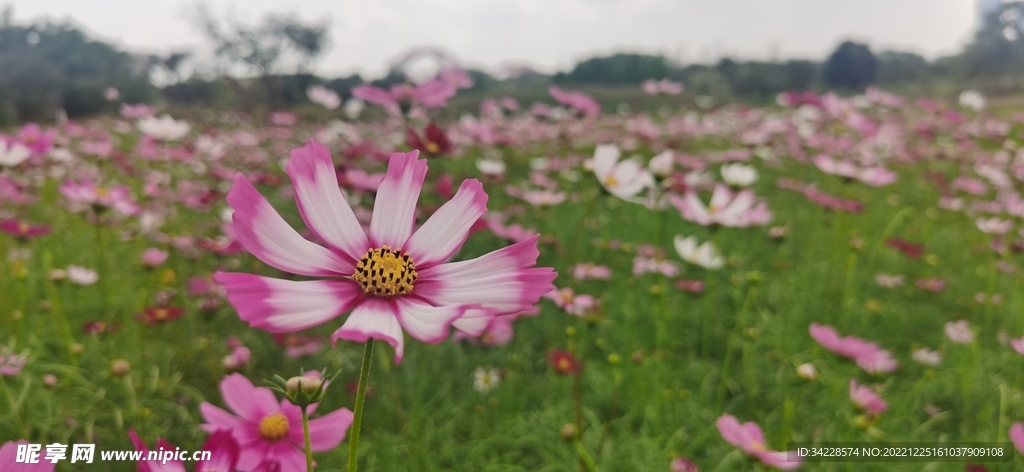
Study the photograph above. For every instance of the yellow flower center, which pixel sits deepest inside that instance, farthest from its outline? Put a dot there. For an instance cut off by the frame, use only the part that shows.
(274, 427)
(161, 313)
(385, 272)
(564, 364)
(611, 182)
(23, 228)
(712, 209)
(102, 192)
(432, 147)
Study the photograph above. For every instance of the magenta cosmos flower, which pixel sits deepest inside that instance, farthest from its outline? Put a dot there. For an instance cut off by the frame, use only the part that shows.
(866, 399)
(268, 430)
(223, 448)
(393, 279)
(9, 457)
(1016, 435)
(867, 355)
(749, 438)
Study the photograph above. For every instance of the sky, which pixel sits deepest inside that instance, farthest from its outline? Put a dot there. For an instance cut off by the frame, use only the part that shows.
(547, 35)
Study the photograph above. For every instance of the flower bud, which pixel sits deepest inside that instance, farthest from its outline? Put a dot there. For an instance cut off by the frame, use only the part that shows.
(807, 372)
(568, 432)
(308, 385)
(120, 367)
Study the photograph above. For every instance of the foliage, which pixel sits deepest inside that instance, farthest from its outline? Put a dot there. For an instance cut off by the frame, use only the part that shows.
(48, 67)
(852, 66)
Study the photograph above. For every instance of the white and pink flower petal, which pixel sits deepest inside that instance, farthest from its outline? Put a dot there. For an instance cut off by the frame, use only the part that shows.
(262, 231)
(394, 209)
(504, 280)
(424, 322)
(445, 231)
(374, 318)
(322, 205)
(283, 306)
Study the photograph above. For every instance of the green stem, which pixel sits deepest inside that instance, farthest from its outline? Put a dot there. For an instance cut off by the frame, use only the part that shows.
(101, 263)
(364, 375)
(576, 238)
(586, 461)
(305, 436)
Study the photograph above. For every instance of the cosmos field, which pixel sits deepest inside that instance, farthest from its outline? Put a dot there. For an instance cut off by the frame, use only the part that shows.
(688, 289)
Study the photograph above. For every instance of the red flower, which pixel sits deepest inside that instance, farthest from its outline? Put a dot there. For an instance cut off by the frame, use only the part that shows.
(98, 327)
(435, 142)
(160, 314)
(912, 250)
(22, 230)
(692, 286)
(564, 362)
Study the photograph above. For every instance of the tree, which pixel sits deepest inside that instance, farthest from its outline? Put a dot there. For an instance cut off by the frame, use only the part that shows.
(852, 66)
(896, 67)
(998, 47)
(620, 69)
(280, 44)
(48, 66)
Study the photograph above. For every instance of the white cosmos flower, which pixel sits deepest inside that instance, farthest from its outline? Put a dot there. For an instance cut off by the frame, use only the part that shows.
(959, 332)
(164, 128)
(12, 154)
(354, 108)
(82, 276)
(994, 225)
(624, 179)
(486, 379)
(705, 255)
(661, 165)
(739, 175)
(490, 166)
(927, 357)
(972, 99)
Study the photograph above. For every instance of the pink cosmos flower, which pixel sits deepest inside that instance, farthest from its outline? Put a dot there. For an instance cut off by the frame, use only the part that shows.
(654, 265)
(392, 278)
(431, 94)
(749, 438)
(578, 101)
(268, 430)
(1016, 435)
(22, 230)
(154, 257)
(11, 363)
(118, 197)
(866, 355)
(1018, 345)
(36, 139)
(587, 270)
(994, 225)
(9, 456)
(873, 176)
(573, 304)
(725, 208)
(223, 448)
(866, 399)
(139, 110)
(933, 284)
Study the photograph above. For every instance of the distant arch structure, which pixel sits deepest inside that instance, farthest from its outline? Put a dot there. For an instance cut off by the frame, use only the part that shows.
(423, 62)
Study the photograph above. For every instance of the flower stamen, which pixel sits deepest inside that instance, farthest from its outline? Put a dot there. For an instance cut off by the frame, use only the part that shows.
(274, 427)
(385, 272)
